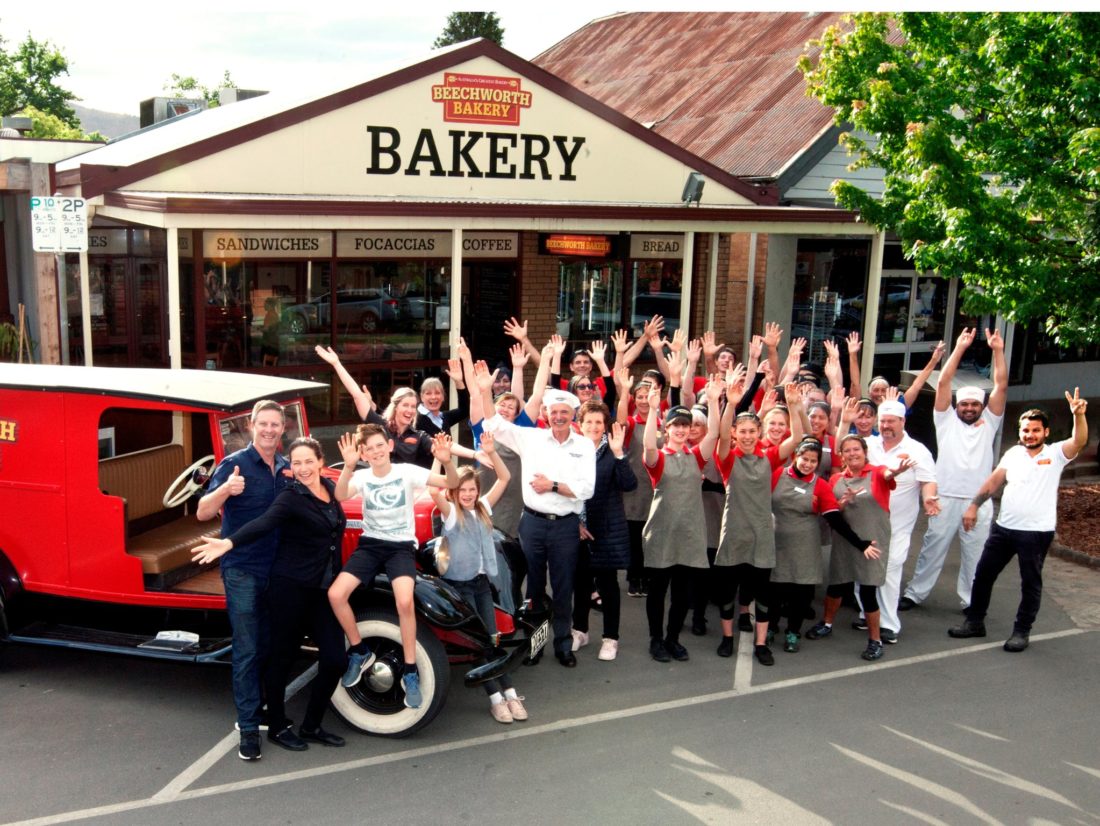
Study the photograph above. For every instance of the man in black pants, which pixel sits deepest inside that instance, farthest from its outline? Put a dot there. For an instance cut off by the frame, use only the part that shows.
(1024, 527)
(558, 474)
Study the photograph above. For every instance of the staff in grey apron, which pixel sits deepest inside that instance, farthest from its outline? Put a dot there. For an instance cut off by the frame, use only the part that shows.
(746, 549)
(799, 497)
(863, 492)
(674, 536)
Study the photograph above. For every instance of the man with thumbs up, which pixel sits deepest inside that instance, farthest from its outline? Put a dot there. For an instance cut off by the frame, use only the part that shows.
(243, 486)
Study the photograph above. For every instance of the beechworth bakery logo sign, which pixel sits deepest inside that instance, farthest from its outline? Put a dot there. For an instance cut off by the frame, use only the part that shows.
(481, 99)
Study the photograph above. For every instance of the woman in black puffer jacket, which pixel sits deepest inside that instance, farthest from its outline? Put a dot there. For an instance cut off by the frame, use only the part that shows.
(605, 548)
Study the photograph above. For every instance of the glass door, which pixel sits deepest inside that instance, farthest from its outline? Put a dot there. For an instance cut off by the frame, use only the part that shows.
(148, 344)
(913, 314)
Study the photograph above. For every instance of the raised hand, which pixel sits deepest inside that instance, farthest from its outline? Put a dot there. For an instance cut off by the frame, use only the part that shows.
(349, 451)
(327, 354)
(620, 340)
(736, 375)
(616, 438)
(756, 347)
(454, 371)
(654, 399)
(516, 329)
(853, 343)
(994, 340)
(694, 351)
(848, 412)
(772, 333)
(624, 380)
(715, 388)
(483, 377)
(966, 337)
(462, 351)
(599, 351)
(710, 345)
(792, 394)
(488, 442)
(769, 400)
(1077, 405)
(797, 346)
(519, 355)
(831, 348)
(938, 351)
(653, 328)
(892, 394)
(557, 343)
(679, 339)
(441, 447)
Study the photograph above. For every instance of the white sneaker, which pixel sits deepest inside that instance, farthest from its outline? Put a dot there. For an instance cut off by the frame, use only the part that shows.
(580, 639)
(609, 649)
(500, 711)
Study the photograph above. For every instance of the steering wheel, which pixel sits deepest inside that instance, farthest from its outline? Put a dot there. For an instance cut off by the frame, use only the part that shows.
(185, 485)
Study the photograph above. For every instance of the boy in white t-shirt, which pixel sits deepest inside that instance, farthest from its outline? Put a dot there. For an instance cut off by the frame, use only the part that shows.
(388, 541)
(1024, 527)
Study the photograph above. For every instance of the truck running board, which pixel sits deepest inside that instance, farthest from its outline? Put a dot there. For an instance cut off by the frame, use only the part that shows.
(94, 639)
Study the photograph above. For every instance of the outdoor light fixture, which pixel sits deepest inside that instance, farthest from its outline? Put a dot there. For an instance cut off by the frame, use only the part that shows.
(693, 189)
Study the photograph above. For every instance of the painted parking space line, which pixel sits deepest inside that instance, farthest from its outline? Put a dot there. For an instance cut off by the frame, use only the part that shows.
(527, 731)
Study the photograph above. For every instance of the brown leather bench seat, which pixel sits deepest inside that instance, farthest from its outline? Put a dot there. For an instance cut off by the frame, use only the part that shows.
(169, 547)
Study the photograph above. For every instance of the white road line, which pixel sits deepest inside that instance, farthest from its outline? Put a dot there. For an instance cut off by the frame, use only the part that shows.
(981, 733)
(742, 670)
(201, 766)
(520, 733)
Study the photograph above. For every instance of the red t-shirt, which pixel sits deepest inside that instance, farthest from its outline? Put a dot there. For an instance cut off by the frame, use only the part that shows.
(659, 468)
(824, 500)
(880, 485)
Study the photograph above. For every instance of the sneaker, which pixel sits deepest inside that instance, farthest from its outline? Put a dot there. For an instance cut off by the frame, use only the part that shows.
(519, 712)
(501, 713)
(764, 655)
(969, 628)
(819, 631)
(677, 651)
(411, 682)
(609, 649)
(357, 664)
(658, 651)
(888, 636)
(1017, 642)
(634, 589)
(790, 644)
(859, 624)
(725, 647)
(744, 623)
(580, 639)
(873, 651)
(250, 745)
(906, 604)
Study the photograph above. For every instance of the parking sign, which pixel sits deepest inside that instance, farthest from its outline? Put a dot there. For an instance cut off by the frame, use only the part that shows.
(59, 224)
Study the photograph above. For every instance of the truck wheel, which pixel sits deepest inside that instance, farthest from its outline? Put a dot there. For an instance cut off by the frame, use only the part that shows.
(376, 705)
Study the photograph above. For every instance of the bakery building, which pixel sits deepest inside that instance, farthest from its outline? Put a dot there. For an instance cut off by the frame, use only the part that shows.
(389, 218)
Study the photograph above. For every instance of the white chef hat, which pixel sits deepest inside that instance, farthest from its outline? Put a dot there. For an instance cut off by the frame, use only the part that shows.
(970, 394)
(889, 408)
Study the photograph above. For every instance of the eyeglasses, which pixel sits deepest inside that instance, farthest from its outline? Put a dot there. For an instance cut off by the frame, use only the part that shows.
(583, 386)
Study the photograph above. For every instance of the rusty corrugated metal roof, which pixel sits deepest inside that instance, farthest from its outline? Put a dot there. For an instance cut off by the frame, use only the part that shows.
(725, 86)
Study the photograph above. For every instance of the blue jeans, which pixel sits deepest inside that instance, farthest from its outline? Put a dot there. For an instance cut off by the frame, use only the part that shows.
(477, 593)
(246, 603)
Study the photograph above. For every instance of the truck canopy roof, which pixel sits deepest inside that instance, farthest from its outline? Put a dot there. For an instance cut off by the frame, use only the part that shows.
(196, 388)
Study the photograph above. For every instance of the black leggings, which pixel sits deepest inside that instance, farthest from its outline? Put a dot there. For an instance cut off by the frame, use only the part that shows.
(868, 595)
(790, 599)
(676, 579)
(295, 610)
(607, 586)
(743, 582)
(703, 587)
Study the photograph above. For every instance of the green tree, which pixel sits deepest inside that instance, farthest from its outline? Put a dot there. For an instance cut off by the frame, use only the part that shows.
(466, 25)
(28, 77)
(189, 86)
(987, 127)
(45, 125)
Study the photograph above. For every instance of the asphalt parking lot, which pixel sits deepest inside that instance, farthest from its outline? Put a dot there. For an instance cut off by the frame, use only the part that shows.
(939, 731)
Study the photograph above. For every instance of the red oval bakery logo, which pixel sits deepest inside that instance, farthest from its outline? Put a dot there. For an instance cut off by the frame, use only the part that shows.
(481, 99)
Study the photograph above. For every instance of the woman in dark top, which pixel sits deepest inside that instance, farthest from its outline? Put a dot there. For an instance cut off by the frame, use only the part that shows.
(607, 549)
(430, 415)
(311, 525)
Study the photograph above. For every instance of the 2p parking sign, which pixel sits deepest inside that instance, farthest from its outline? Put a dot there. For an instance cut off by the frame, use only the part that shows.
(59, 224)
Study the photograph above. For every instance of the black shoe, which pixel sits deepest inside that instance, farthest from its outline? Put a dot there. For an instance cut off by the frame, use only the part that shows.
(906, 604)
(1017, 642)
(658, 651)
(287, 739)
(744, 623)
(699, 627)
(725, 647)
(764, 655)
(319, 735)
(567, 659)
(250, 745)
(969, 628)
(859, 624)
(887, 636)
(533, 660)
(676, 651)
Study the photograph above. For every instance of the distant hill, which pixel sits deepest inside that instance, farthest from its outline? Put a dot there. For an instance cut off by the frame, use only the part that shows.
(108, 124)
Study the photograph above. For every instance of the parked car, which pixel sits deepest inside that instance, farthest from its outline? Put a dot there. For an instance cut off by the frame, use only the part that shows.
(647, 305)
(99, 469)
(365, 310)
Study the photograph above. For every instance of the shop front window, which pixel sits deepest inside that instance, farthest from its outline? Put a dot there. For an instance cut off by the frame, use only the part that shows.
(656, 290)
(589, 299)
(829, 294)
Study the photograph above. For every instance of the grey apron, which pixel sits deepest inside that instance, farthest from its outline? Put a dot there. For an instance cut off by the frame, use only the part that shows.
(868, 519)
(675, 533)
(507, 511)
(636, 502)
(797, 535)
(748, 535)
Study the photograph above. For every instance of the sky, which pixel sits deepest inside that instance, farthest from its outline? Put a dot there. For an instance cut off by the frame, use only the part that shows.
(121, 53)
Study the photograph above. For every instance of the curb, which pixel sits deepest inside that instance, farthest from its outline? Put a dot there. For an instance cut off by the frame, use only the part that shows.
(1062, 552)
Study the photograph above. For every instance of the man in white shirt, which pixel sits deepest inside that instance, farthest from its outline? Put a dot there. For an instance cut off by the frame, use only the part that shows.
(558, 472)
(965, 437)
(1024, 527)
(914, 488)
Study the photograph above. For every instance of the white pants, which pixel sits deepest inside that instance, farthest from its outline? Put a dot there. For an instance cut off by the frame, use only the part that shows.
(941, 530)
(901, 535)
